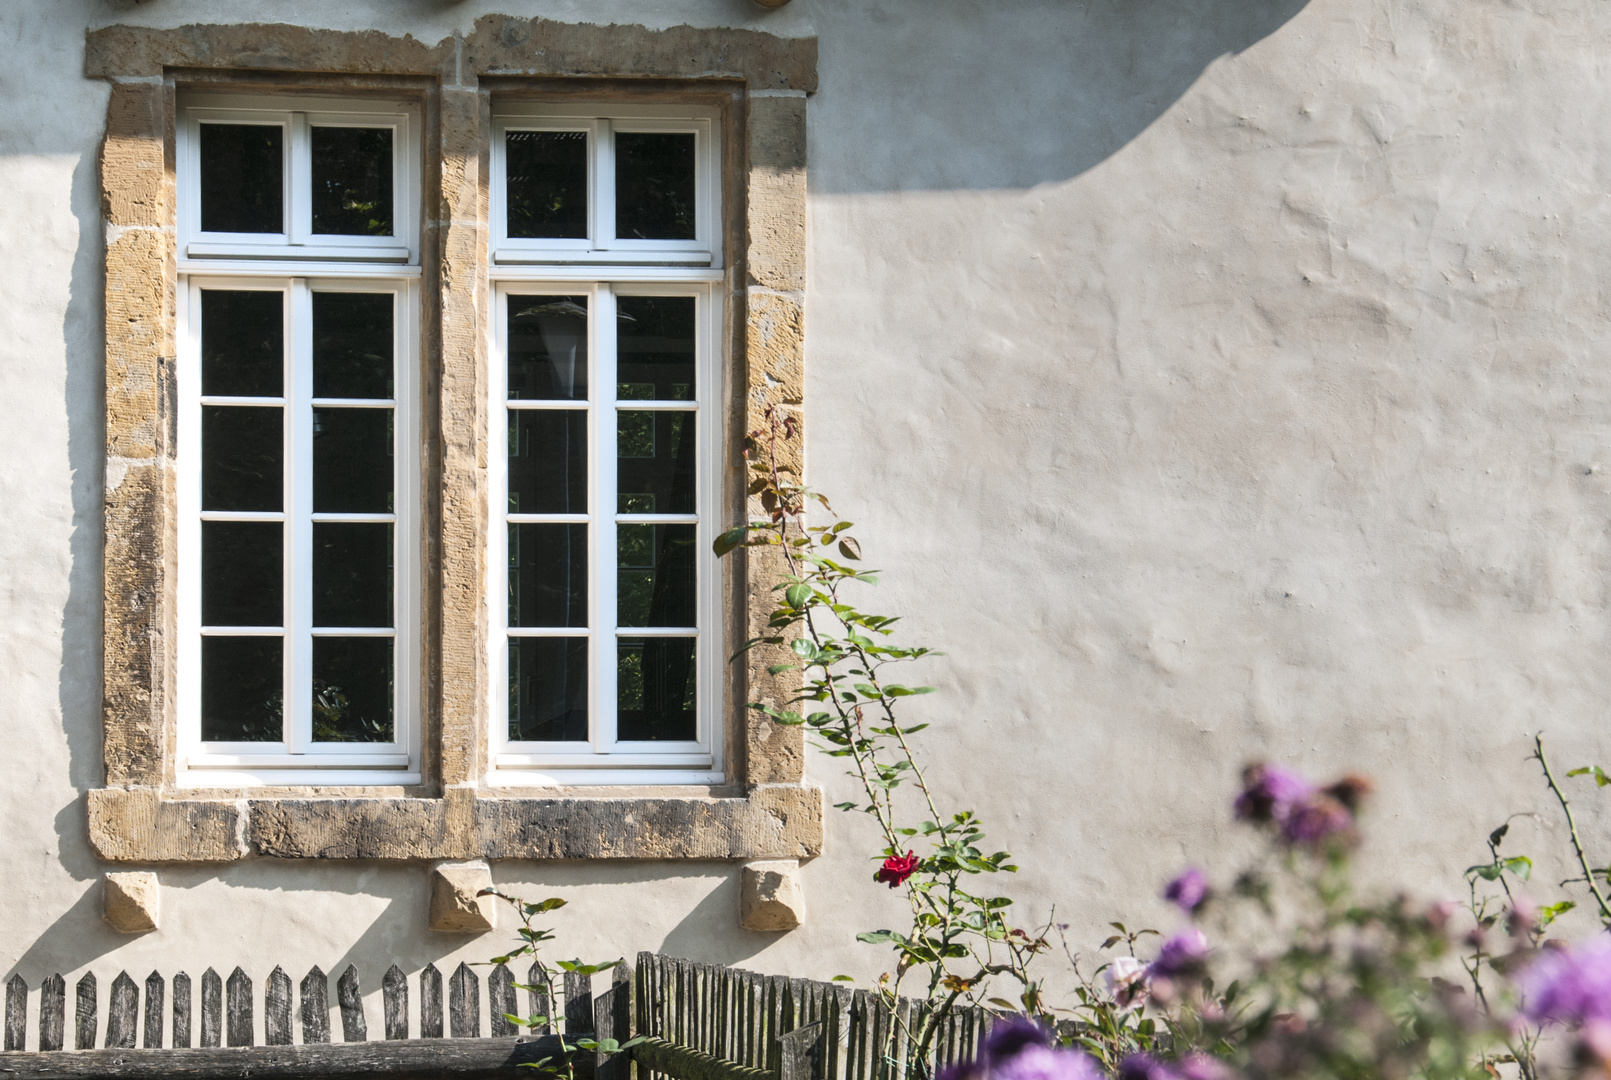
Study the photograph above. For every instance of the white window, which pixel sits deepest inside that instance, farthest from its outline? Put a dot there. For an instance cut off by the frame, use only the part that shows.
(573, 184)
(298, 178)
(298, 471)
(605, 394)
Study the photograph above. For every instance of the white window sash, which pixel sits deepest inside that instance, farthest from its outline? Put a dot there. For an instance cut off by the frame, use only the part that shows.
(297, 759)
(602, 759)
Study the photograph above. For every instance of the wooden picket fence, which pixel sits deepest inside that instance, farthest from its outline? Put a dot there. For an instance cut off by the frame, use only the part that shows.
(698, 1022)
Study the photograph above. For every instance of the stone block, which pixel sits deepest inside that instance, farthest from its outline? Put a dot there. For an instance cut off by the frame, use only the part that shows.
(769, 895)
(131, 901)
(455, 907)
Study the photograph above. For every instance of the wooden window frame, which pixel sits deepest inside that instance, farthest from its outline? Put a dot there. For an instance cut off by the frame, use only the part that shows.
(757, 84)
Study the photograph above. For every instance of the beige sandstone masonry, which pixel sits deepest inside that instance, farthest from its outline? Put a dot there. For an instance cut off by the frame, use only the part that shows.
(761, 82)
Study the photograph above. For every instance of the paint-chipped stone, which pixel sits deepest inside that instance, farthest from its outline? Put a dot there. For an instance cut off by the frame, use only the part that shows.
(770, 897)
(137, 825)
(131, 901)
(456, 907)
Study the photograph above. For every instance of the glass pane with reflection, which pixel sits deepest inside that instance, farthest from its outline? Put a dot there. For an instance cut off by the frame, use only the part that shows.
(655, 341)
(548, 575)
(546, 184)
(241, 571)
(352, 574)
(655, 575)
(352, 181)
(548, 347)
(655, 461)
(352, 345)
(352, 689)
(548, 689)
(352, 461)
(655, 689)
(242, 178)
(241, 680)
(242, 457)
(242, 343)
(654, 186)
(547, 461)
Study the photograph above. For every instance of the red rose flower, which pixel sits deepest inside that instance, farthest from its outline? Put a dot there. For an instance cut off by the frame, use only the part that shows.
(896, 869)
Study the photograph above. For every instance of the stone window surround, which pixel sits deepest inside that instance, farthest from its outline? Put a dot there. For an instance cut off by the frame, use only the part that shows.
(760, 80)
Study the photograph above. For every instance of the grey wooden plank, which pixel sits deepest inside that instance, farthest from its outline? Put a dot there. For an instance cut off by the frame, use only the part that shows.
(801, 1052)
(430, 1002)
(238, 1009)
(277, 1009)
(501, 1002)
(353, 1027)
(212, 1009)
(315, 1006)
(537, 1001)
(156, 993)
(612, 1019)
(16, 1013)
(578, 1004)
(412, 1059)
(84, 1006)
(394, 1001)
(52, 1012)
(122, 1013)
(464, 1003)
(668, 1059)
(179, 1034)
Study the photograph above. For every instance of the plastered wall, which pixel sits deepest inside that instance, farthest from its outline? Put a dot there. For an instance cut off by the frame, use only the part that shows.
(1212, 379)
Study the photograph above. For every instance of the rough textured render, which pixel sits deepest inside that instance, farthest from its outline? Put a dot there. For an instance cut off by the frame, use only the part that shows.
(131, 901)
(456, 904)
(135, 818)
(770, 897)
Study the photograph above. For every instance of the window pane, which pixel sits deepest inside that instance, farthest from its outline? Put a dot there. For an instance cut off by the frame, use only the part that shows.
(242, 454)
(352, 574)
(352, 345)
(548, 689)
(547, 461)
(655, 336)
(240, 689)
(241, 566)
(546, 188)
(548, 575)
(655, 467)
(548, 347)
(352, 689)
(655, 681)
(654, 186)
(242, 343)
(352, 461)
(655, 579)
(352, 181)
(242, 178)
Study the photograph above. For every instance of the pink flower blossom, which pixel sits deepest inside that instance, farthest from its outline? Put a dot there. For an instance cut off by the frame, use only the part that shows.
(1269, 793)
(1182, 955)
(1571, 985)
(1020, 1049)
(1126, 980)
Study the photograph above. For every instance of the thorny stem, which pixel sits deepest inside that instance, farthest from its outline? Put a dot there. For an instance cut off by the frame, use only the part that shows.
(1571, 826)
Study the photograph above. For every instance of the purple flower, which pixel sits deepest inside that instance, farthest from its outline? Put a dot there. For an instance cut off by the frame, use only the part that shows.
(1020, 1049)
(1571, 985)
(1269, 793)
(1183, 954)
(1189, 890)
(1316, 820)
(1202, 1067)
(1144, 1067)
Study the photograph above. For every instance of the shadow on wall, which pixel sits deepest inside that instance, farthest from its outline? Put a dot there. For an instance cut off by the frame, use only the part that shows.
(977, 94)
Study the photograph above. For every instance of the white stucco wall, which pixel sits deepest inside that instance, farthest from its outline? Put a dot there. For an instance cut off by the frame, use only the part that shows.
(1213, 379)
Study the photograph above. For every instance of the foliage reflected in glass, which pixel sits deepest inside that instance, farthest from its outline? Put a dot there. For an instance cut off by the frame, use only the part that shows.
(655, 575)
(655, 690)
(548, 689)
(654, 186)
(352, 181)
(546, 184)
(241, 689)
(352, 689)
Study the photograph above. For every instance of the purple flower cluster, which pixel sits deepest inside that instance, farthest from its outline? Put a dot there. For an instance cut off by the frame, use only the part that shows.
(1188, 891)
(1570, 985)
(1191, 1067)
(1303, 813)
(1020, 1049)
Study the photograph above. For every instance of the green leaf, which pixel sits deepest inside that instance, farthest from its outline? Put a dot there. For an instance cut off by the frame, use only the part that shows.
(1487, 872)
(1599, 774)
(849, 548)
(1498, 834)
(843, 978)
(804, 648)
(729, 540)
(1551, 912)
(1520, 865)
(797, 595)
(880, 937)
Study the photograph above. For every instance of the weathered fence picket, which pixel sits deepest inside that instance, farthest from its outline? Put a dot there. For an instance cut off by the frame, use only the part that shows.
(699, 1022)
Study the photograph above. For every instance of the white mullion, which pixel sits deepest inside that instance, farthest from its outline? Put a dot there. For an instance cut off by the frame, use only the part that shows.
(188, 437)
(603, 616)
(297, 696)
(498, 542)
(707, 581)
(601, 175)
(299, 195)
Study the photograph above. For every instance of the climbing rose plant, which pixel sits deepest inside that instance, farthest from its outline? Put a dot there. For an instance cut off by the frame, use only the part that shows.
(1282, 971)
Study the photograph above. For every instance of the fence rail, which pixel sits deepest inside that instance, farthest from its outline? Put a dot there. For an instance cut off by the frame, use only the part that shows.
(699, 1022)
